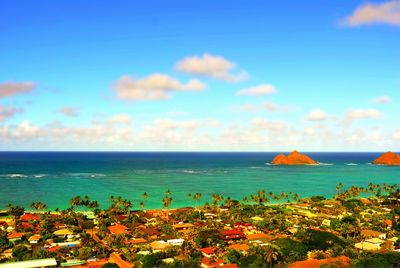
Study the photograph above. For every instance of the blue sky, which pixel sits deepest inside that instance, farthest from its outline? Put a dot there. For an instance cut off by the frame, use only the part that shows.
(165, 75)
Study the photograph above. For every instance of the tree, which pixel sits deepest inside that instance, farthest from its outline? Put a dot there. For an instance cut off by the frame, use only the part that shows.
(166, 201)
(84, 253)
(15, 211)
(38, 206)
(20, 252)
(260, 197)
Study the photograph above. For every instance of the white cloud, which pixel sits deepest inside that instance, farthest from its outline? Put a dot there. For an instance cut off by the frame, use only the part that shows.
(212, 66)
(120, 119)
(259, 90)
(381, 100)
(154, 87)
(10, 89)
(355, 114)
(247, 107)
(317, 115)
(69, 111)
(270, 125)
(383, 13)
(7, 112)
(273, 107)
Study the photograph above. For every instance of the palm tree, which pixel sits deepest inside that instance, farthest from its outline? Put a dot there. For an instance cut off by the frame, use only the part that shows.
(260, 197)
(16, 211)
(216, 199)
(167, 200)
(38, 206)
(141, 204)
(196, 197)
(272, 252)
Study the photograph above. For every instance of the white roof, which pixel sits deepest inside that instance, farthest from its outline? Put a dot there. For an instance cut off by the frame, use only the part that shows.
(30, 264)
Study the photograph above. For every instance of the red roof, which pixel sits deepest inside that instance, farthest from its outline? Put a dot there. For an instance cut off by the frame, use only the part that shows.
(207, 251)
(117, 229)
(232, 232)
(29, 217)
(54, 248)
(212, 263)
(15, 235)
(26, 225)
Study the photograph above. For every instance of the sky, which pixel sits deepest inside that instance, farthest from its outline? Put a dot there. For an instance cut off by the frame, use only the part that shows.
(199, 75)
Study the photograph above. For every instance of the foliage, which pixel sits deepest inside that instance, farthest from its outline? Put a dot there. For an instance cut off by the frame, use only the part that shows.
(315, 239)
(207, 237)
(291, 250)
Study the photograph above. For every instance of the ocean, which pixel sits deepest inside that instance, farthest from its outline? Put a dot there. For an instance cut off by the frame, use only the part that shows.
(55, 177)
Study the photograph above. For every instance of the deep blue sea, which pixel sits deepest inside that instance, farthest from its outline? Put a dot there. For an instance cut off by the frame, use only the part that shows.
(55, 177)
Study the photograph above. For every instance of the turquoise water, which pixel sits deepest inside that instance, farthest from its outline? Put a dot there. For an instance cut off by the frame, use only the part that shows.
(54, 178)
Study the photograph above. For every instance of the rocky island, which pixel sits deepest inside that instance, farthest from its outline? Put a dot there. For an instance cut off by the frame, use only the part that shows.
(388, 158)
(294, 158)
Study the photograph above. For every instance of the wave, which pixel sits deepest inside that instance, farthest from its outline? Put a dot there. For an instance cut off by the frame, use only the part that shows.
(323, 164)
(351, 164)
(39, 175)
(16, 175)
(189, 171)
(83, 174)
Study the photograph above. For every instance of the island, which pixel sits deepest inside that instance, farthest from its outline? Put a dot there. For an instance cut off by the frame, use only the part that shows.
(294, 158)
(388, 158)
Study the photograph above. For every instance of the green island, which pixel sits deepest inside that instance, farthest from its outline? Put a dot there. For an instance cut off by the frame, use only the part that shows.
(358, 227)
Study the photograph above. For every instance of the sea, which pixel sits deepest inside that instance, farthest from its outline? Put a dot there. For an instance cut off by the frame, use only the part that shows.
(55, 177)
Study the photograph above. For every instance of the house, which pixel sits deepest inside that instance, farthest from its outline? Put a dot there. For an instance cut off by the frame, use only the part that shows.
(183, 227)
(176, 242)
(63, 233)
(233, 234)
(14, 236)
(207, 252)
(258, 238)
(242, 248)
(210, 263)
(29, 217)
(34, 239)
(117, 229)
(367, 233)
(370, 244)
(159, 245)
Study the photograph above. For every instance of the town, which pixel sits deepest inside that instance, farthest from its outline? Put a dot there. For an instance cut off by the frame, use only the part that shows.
(357, 227)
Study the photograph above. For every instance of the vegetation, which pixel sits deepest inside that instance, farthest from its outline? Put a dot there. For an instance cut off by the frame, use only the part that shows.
(251, 233)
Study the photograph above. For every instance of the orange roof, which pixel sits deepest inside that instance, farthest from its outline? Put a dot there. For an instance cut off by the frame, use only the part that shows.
(207, 251)
(117, 229)
(365, 201)
(137, 241)
(212, 263)
(370, 233)
(258, 236)
(34, 237)
(15, 235)
(239, 247)
(388, 222)
(29, 217)
(341, 261)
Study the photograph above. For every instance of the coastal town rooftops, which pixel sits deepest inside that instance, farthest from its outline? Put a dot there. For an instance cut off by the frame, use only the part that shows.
(117, 229)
